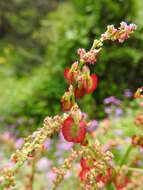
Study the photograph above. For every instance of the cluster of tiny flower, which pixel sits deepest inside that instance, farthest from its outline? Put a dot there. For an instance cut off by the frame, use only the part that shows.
(120, 34)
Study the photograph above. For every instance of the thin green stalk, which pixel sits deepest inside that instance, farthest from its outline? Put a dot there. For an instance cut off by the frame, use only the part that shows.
(73, 96)
(135, 169)
(126, 155)
(80, 64)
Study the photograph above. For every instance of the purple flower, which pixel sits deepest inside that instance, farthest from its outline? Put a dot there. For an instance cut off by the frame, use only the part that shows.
(112, 100)
(118, 112)
(93, 125)
(43, 164)
(67, 176)
(128, 139)
(128, 93)
(64, 146)
(47, 144)
(50, 176)
(19, 143)
(118, 132)
(58, 153)
(107, 110)
(60, 161)
(61, 137)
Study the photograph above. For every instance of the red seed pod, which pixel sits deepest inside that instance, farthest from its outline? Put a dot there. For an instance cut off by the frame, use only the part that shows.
(85, 163)
(66, 105)
(106, 179)
(69, 75)
(92, 85)
(79, 92)
(120, 181)
(83, 175)
(73, 132)
(84, 143)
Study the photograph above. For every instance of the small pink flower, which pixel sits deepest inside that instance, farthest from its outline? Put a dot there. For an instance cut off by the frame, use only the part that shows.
(81, 52)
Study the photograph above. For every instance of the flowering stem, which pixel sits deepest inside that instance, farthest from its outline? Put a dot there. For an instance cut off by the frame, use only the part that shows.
(80, 64)
(135, 169)
(32, 174)
(125, 157)
(73, 96)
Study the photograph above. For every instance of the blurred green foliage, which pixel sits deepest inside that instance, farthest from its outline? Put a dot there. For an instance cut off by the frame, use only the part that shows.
(36, 44)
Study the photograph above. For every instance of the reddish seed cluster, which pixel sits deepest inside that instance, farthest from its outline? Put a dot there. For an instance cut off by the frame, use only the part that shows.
(89, 57)
(86, 84)
(137, 140)
(120, 34)
(87, 166)
(66, 105)
(97, 164)
(127, 30)
(74, 131)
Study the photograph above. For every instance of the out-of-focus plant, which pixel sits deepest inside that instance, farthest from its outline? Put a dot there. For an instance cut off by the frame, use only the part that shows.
(20, 105)
(98, 169)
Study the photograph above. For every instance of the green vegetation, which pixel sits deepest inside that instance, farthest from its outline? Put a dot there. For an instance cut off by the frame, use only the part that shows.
(39, 39)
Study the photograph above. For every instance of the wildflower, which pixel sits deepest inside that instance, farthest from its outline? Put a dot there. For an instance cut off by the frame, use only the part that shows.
(93, 125)
(118, 112)
(112, 100)
(74, 131)
(19, 143)
(128, 93)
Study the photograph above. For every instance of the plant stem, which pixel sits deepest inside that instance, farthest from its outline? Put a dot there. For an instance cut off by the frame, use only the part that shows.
(135, 169)
(32, 174)
(80, 64)
(73, 96)
(125, 157)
